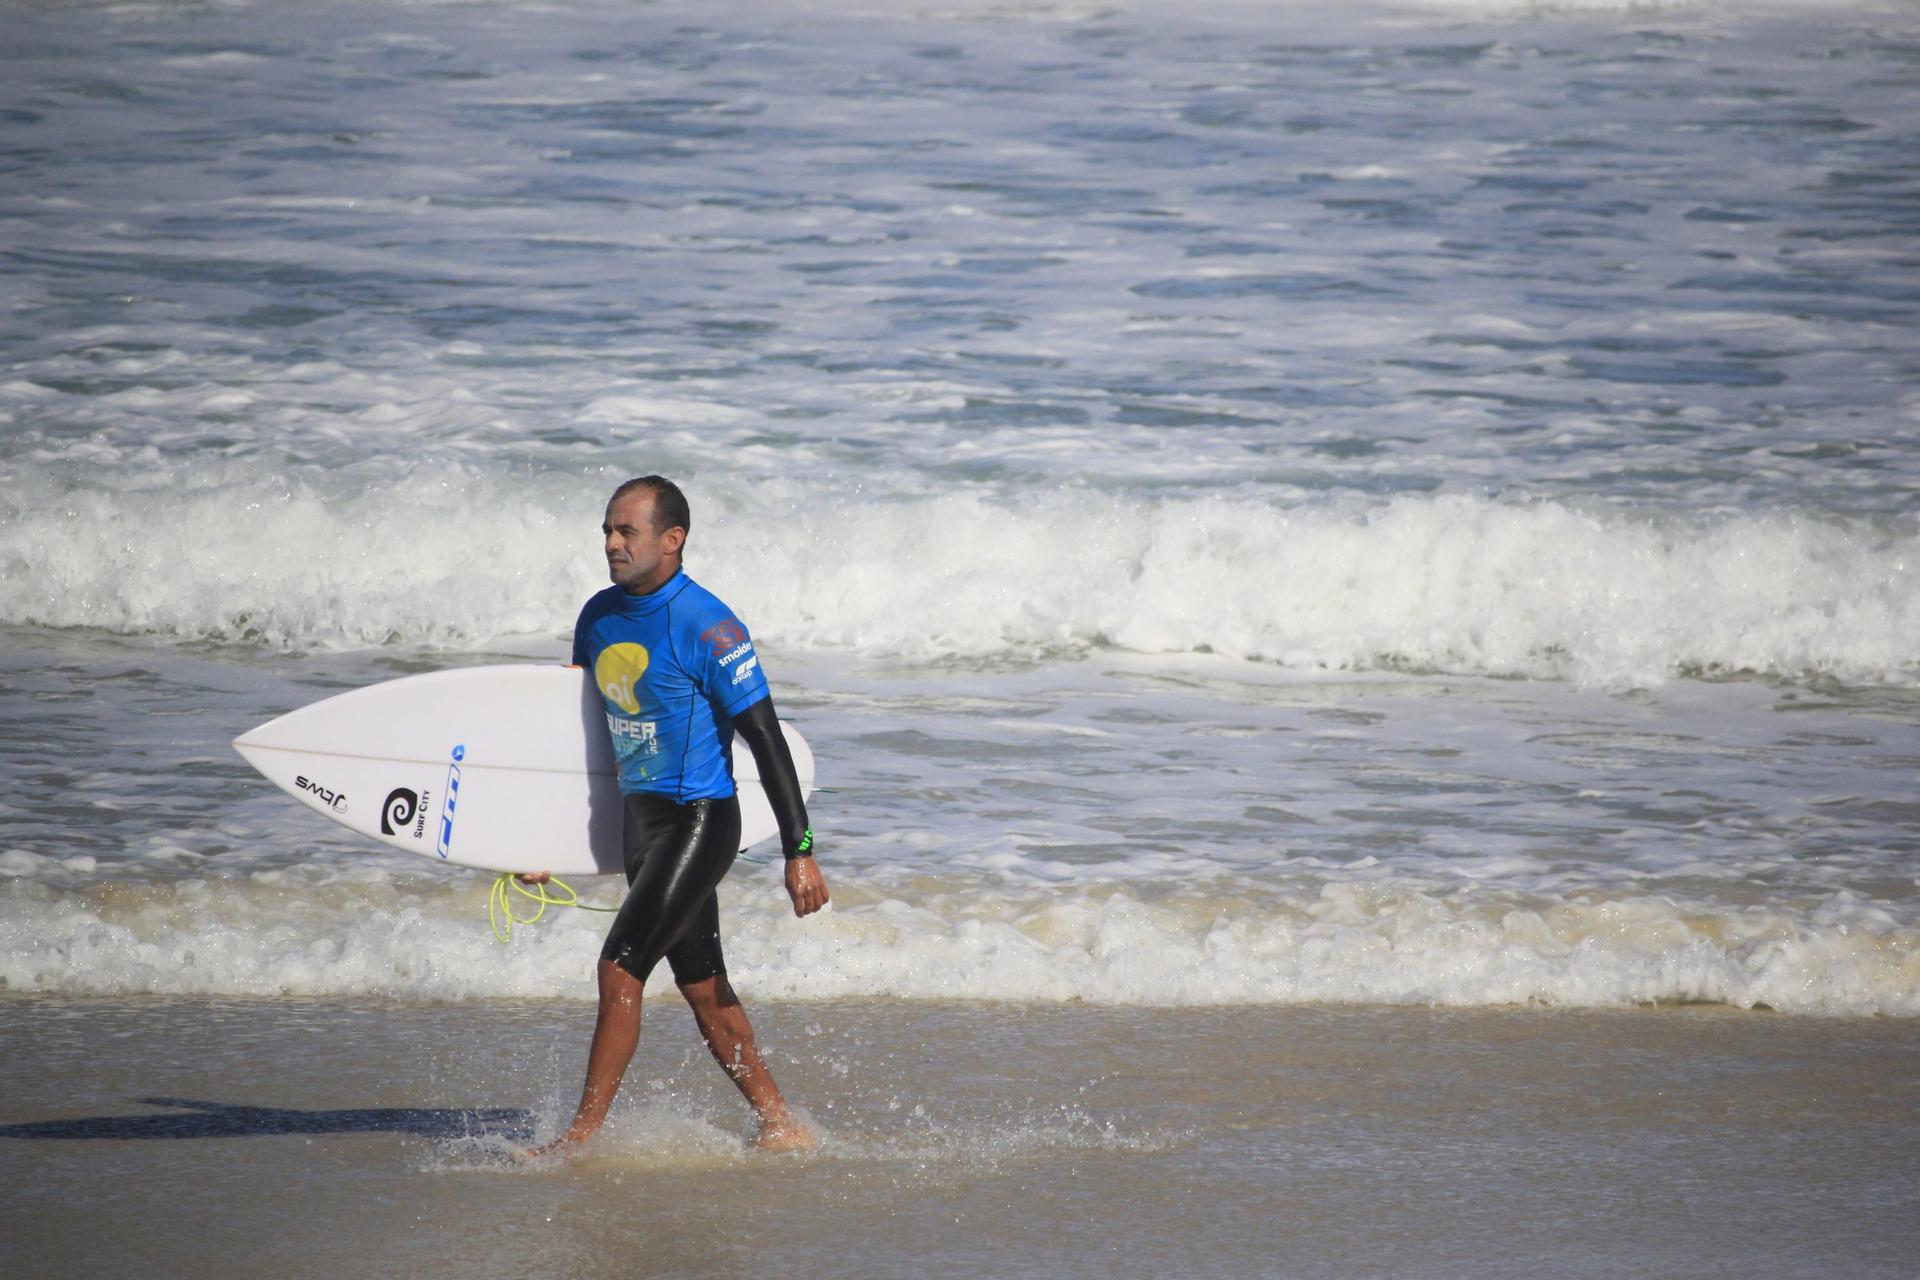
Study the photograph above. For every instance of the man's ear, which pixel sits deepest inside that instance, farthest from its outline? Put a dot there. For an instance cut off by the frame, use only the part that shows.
(673, 539)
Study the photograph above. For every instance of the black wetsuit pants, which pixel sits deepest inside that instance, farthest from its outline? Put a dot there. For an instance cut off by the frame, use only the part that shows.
(676, 856)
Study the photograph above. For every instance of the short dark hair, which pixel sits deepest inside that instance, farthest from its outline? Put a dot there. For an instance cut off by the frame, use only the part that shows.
(669, 504)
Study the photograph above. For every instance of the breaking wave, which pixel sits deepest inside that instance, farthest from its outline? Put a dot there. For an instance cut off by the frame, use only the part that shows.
(445, 557)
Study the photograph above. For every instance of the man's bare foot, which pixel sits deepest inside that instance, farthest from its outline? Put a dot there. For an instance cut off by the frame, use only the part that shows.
(567, 1144)
(785, 1133)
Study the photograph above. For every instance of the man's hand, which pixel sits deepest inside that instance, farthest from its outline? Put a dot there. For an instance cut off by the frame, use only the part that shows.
(806, 886)
(533, 877)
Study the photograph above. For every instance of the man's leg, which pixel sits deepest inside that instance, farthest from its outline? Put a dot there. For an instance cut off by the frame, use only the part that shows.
(616, 1034)
(675, 855)
(724, 1026)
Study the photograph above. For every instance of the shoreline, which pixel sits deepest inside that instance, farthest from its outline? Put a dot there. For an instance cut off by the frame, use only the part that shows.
(316, 1136)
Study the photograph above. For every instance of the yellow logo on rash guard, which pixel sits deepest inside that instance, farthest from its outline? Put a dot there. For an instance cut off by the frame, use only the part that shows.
(617, 671)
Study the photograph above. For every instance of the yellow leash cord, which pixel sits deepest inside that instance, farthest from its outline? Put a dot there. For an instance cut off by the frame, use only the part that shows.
(506, 884)
(500, 903)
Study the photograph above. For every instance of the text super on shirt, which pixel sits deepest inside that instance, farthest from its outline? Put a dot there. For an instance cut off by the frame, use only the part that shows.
(673, 668)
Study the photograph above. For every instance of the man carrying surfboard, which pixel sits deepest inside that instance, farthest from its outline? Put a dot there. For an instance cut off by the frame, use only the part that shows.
(679, 677)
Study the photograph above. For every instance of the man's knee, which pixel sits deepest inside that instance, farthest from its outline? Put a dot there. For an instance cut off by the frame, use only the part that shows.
(618, 983)
(709, 994)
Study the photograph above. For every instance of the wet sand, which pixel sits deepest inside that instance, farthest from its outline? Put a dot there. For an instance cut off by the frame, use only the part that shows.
(193, 1137)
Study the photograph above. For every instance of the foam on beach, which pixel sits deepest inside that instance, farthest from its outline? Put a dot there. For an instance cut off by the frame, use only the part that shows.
(366, 931)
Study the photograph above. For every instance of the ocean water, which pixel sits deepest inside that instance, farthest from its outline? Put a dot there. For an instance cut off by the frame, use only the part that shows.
(1253, 505)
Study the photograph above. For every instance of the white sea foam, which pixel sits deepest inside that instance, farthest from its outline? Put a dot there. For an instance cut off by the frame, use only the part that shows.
(311, 932)
(460, 556)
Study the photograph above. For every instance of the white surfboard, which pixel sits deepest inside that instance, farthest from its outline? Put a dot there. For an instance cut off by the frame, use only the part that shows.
(508, 768)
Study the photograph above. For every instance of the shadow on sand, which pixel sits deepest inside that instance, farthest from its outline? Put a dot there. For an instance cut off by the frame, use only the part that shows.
(222, 1120)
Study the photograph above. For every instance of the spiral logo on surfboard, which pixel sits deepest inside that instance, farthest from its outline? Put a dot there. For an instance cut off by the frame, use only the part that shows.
(404, 806)
(397, 810)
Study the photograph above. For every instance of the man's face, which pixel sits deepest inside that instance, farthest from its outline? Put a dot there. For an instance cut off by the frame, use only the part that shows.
(638, 559)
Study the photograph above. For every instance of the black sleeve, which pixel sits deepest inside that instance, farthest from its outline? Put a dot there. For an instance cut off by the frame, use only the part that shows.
(760, 729)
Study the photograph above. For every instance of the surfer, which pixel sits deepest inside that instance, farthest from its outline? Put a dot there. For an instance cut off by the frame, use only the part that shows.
(678, 675)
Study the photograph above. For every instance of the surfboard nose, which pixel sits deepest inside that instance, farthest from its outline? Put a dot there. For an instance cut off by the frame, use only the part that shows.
(248, 749)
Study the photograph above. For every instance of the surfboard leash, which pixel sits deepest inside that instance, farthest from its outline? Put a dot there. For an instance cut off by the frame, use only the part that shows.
(500, 903)
(500, 900)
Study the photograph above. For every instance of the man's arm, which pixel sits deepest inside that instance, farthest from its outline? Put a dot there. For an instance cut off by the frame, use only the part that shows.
(760, 729)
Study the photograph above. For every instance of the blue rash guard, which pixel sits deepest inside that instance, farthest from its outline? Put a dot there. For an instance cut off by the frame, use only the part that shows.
(673, 668)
